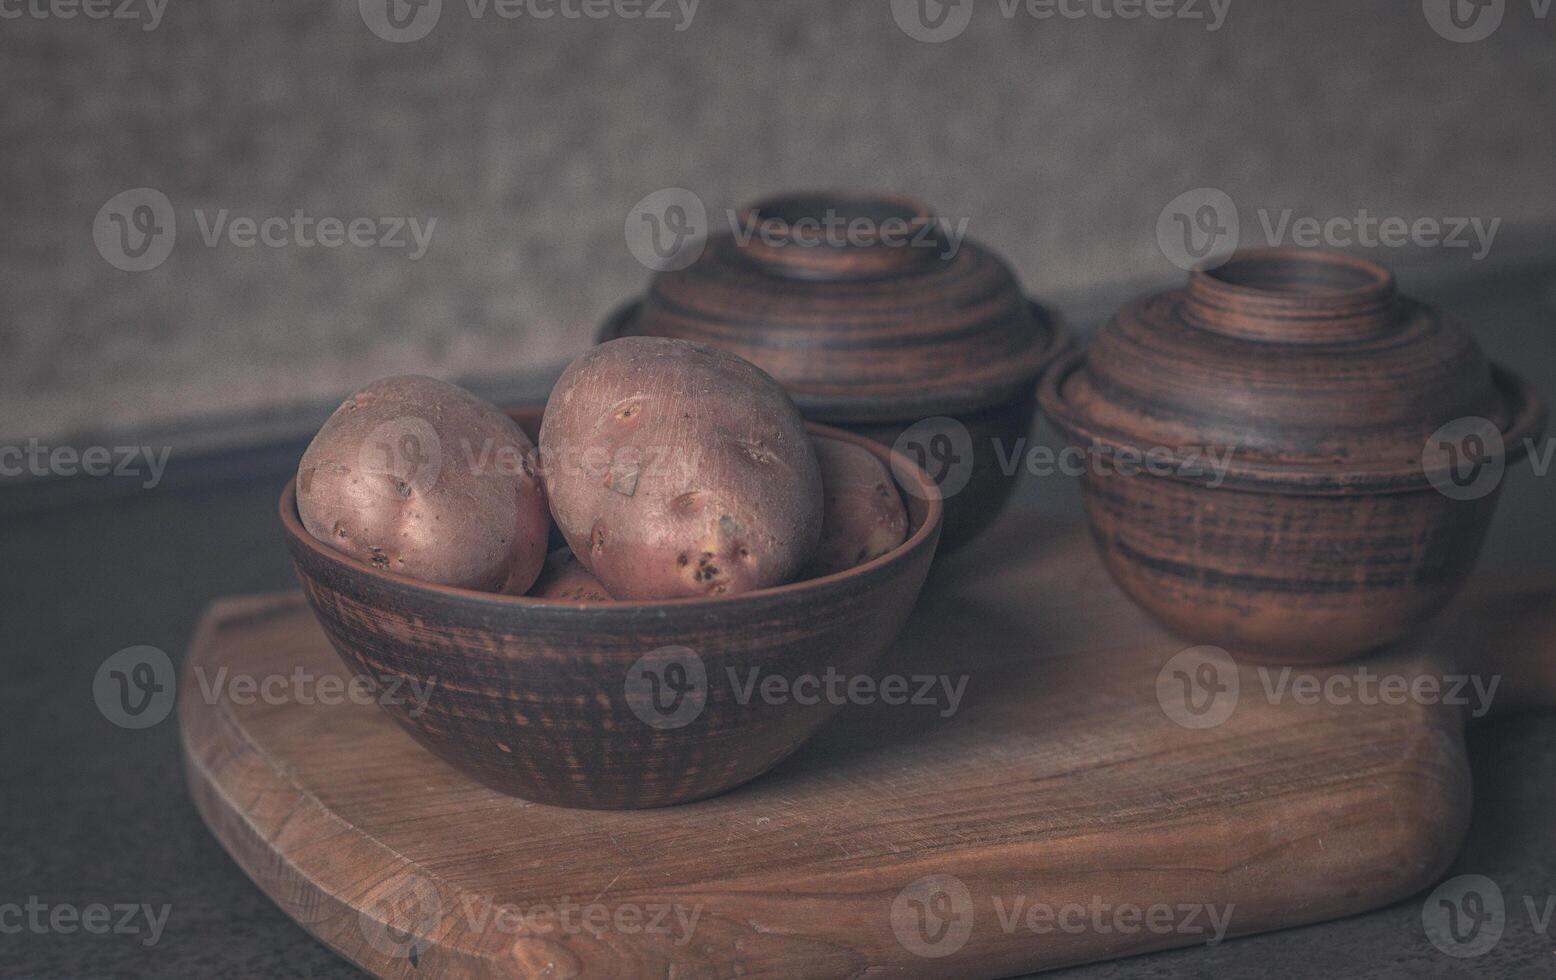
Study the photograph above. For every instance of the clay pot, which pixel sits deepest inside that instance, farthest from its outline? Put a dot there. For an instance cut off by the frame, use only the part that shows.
(878, 320)
(615, 705)
(1360, 436)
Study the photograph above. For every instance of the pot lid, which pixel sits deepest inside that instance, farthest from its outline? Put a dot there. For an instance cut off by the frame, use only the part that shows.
(865, 307)
(1309, 366)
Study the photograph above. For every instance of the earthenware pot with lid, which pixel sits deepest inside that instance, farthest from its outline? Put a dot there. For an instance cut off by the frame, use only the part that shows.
(1288, 458)
(877, 317)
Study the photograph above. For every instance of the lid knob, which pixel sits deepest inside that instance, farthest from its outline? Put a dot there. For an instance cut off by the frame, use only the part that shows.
(839, 235)
(1293, 296)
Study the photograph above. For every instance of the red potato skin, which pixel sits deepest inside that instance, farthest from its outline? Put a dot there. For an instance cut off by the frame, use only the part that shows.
(675, 469)
(419, 477)
(564, 578)
(864, 516)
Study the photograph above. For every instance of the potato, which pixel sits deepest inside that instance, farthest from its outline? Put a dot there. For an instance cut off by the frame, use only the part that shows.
(419, 477)
(564, 577)
(864, 515)
(675, 469)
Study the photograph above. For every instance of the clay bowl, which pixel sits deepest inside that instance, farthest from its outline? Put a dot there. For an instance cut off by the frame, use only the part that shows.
(1363, 438)
(913, 337)
(614, 705)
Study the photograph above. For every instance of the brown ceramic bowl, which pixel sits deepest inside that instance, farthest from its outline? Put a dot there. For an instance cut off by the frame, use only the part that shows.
(1362, 437)
(928, 344)
(615, 705)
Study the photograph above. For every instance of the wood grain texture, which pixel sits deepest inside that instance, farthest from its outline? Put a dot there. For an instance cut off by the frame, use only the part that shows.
(1060, 780)
(1307, 429)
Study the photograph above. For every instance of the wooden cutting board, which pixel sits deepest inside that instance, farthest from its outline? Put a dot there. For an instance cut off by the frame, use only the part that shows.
(1073, 806)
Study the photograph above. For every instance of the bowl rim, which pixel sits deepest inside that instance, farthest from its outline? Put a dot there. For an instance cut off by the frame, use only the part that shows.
(925, 536)
(1526, 422)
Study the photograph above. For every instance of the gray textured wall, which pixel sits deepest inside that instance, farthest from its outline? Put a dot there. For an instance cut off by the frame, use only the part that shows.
(530, 140)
